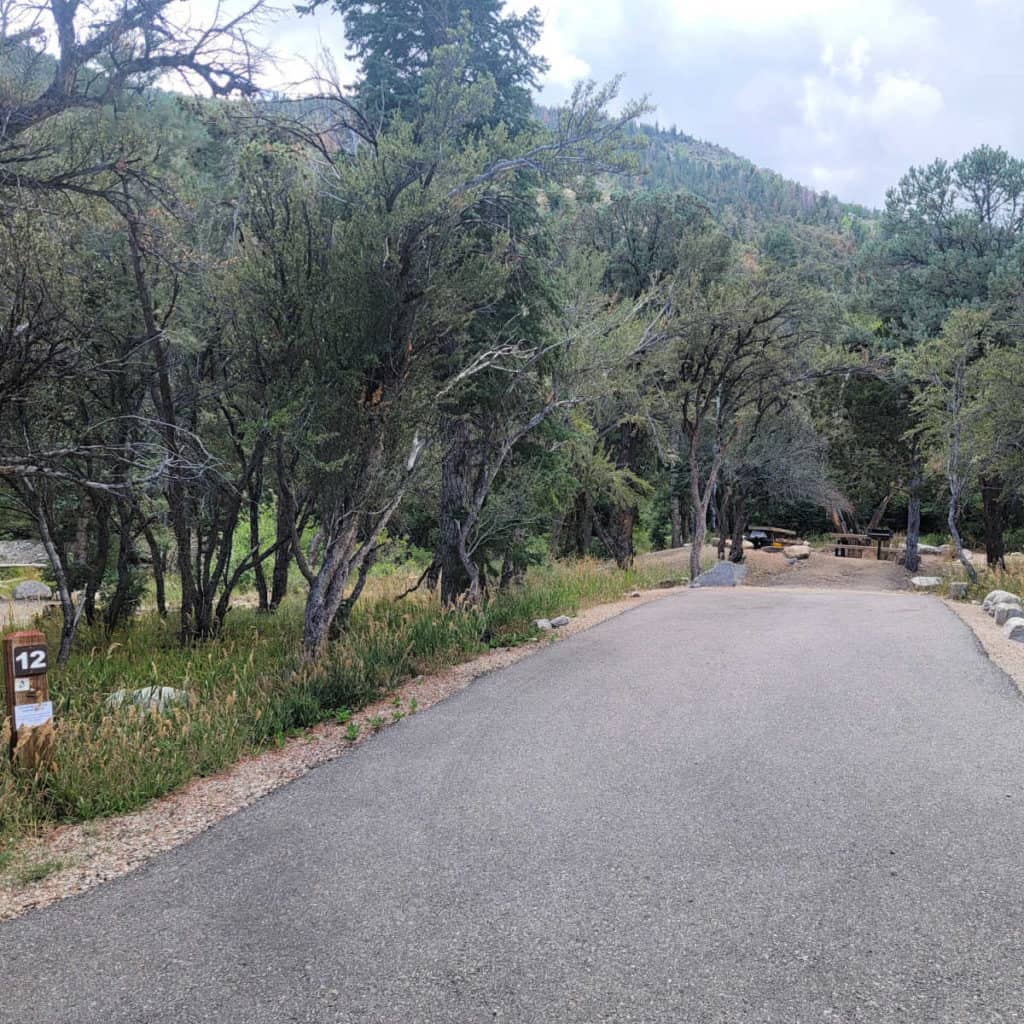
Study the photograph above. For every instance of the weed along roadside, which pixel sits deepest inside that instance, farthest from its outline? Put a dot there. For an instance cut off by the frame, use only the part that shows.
(253, 718)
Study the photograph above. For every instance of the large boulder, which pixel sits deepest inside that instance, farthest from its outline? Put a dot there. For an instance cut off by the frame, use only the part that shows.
(722, 574)
(32, 590)
(798, 551)
(994, 597)
(1014, 630)
(925, 582)
(155, 698)
(1002, 613)
(929, 549)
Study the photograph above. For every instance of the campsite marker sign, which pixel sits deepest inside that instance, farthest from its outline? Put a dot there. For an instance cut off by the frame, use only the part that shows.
(27, 695)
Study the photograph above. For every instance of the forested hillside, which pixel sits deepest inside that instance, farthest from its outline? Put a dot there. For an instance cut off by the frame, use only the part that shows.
(261, 350)
(731, 184)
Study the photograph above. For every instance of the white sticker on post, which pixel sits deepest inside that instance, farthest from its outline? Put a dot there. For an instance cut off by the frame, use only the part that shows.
(27, 716)
(22, 685)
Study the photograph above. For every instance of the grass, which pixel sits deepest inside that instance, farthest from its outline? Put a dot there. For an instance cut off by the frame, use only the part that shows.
(249, 690)
(1011, 578)
(37, 872)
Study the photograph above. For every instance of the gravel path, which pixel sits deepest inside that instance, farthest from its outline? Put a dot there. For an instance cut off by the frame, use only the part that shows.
(729, 806)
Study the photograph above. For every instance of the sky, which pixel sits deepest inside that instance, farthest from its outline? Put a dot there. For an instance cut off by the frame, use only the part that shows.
(841, 95)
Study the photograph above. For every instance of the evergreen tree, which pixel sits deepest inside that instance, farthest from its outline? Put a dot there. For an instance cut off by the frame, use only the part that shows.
(395, 43)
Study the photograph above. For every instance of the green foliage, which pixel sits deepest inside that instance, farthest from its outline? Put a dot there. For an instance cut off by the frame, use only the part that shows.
(947, 231)
(397, 42)
(737, 191)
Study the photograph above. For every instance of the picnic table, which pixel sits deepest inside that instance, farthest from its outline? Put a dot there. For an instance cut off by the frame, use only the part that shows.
(853, 545)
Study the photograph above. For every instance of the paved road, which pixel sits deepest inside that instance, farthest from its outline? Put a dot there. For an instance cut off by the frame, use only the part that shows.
(742, 806)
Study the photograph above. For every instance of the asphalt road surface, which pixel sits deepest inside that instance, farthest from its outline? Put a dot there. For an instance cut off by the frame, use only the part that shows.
(727, 806)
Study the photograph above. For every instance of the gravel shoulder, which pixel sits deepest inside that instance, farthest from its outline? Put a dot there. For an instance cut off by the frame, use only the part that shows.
(1007, 655)
(79, 857)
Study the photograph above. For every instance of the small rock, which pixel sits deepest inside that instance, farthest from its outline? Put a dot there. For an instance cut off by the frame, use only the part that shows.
(1014, 630)
(157, 698)
(994, 597)
(562, 620)
(929, 549)
(670, 582)
(797, 551)
(635, 593)
(544, 625)
(925, 582)
(1002, 613)
(32, 590)
(958, 591)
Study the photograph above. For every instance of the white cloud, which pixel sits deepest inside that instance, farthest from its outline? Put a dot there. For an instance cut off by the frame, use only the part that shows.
(891, 100)
(566, 65)
(836, 21)
(901, 97)
(853, 66)
(834, 179)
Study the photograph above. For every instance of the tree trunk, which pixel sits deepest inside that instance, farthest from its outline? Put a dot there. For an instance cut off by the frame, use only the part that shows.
(911, 558)
(255, 497)
(284, 531)
(71, 613)
(675, 511)
(584, 523)
(623, 523)
(675, 501)
(349, 539)
(699, 504)
(97, 559)
(954, 531)
(460, 577)
(618, 534)
(738, 517)
(119, 606)
(344, 553)
(700, 532)
(158, 562)
(953, 474)
(722, 517)
(876, 516)
(992, 507)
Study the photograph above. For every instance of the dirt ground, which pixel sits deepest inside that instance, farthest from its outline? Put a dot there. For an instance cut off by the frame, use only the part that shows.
(822, 571)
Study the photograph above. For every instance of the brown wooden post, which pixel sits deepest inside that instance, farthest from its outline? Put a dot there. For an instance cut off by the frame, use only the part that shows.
(27, 696)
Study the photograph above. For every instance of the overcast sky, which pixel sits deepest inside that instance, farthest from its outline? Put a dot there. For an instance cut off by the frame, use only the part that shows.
(841, 95)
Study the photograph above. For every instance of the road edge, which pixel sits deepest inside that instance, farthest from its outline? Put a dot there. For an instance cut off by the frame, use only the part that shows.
(100, 850)
(1005, 655)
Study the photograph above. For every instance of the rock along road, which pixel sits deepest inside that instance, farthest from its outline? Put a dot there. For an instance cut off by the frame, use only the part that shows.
(742, 806)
